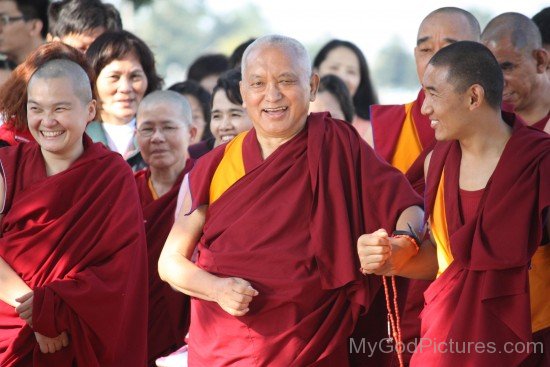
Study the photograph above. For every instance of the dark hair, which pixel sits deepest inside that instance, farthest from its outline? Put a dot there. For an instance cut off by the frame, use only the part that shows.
(194, 89)
(80, 16)
(207, 65)
(365, 95)
(229, 83)
(337, 88)
(237, 55)
(112, 46)
(13, 94)
(542, 20)
(35, 9)
(472, 63)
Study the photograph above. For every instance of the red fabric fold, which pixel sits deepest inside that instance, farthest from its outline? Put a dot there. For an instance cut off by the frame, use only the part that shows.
(290, 227)
(77, 239)
(168, 309)
(483, 296)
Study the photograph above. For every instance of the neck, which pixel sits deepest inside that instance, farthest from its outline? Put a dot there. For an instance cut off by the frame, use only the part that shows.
(489, 137)
(539, 107)
(164, 178)
(269, 144)
(108, 118)
(56, 163)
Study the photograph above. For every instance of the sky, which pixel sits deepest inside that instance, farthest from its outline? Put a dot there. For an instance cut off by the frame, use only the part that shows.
(368, 23)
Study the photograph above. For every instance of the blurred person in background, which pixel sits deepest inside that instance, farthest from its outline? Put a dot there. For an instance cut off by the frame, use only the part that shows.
(345, 60)
(206, 69)
(199, 99)
(333, 96)
(78, 23)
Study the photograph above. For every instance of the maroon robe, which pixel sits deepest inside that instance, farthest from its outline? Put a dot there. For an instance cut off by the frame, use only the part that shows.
(387, 122)
(290, 227)
(77, 239)
(483, 296)
(168, 309)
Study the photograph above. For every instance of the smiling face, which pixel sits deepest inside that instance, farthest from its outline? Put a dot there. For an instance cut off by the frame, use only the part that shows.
(228, 119)
(342, 62)
(443, 105)
(121, 85)
(167, 135)
(56, 117)
(276, 91)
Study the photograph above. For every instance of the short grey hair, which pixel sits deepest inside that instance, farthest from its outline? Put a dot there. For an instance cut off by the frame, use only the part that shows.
(62, 68)
(283, 42)
(175, 100)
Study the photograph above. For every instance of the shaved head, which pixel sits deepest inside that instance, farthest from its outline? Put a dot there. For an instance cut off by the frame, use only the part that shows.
(288, 44)
(521, 31)
(66, 69)
(175, 101)
(471, 28)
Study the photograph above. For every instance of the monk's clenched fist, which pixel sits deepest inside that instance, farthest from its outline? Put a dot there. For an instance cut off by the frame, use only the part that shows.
(234, 295)
(374, 249)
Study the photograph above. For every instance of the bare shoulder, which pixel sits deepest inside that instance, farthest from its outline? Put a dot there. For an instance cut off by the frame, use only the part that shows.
(427, 163)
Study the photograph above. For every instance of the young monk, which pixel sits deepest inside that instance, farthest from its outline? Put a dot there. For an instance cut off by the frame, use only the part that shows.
(487, 199)
(72, 254)
(164, 130)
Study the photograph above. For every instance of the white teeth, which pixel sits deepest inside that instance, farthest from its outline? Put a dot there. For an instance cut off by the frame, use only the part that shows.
(434, 123)
(51, 134)
(274, 109)
(227, 138)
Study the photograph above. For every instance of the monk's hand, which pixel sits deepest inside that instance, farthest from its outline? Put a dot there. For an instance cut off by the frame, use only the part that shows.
(374, 249)
(234, 295)
(52, 345)
(24, 310)
(402, 249)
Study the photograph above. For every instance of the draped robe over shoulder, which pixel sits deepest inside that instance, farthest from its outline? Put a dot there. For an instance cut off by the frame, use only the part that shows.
(77, 239)
(483, 295)
(168, 309)
(403, 137)
(289, 225)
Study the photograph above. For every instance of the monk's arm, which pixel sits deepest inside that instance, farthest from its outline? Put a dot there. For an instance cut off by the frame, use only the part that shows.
(11, 285)
(176, 268)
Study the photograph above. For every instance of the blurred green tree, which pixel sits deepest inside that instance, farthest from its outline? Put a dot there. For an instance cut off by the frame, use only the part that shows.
(179, 31)
(394, 66)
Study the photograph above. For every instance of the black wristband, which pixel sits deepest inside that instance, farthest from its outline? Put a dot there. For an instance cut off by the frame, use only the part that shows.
(407, 233)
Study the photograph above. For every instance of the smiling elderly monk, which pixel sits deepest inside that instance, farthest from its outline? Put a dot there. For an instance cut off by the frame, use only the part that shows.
(276, 213)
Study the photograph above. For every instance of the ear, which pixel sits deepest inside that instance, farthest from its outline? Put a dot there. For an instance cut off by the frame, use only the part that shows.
(241, 89)
(192, 132)
(92, 109)
(476, 95)
(542, 58)
(36, 27)
(313, 86)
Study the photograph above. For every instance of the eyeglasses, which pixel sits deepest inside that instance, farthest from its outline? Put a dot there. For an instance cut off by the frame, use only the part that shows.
(6, 19)
(147, 132)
